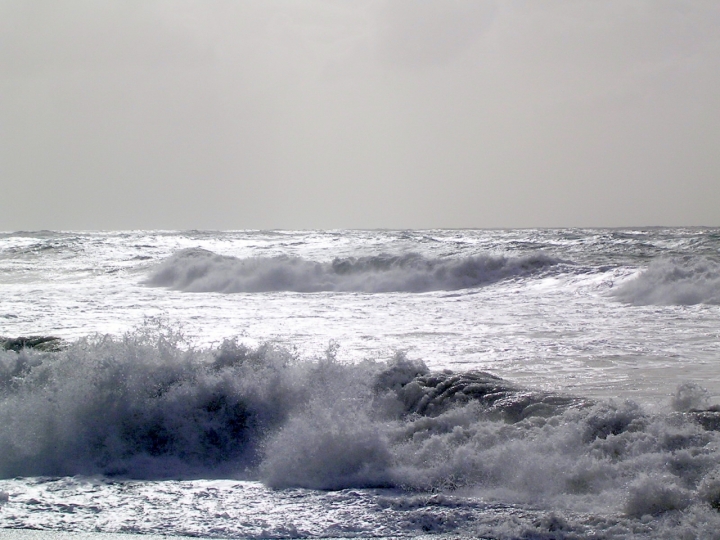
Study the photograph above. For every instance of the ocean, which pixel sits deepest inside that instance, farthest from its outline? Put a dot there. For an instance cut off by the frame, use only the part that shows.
(504, 384)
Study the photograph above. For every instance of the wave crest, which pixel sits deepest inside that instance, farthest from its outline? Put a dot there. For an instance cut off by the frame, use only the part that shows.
(199, 270)
(686, 281)
(147, 405)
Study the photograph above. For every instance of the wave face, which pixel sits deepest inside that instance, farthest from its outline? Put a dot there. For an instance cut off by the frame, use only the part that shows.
(147, 406)
(199, 270)
(680, 281)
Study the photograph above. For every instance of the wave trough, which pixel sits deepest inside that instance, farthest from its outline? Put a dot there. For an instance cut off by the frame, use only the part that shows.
(199, 270)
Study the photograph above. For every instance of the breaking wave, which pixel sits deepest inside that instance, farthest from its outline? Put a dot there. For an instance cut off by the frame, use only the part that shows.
(685, 281)
(148, 405)
(199, 270)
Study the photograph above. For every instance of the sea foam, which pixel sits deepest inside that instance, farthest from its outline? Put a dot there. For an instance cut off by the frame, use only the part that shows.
(147, 405)
(199, 270)
(685, 281)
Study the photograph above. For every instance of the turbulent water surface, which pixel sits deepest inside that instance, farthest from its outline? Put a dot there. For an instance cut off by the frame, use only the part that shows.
(498, 384)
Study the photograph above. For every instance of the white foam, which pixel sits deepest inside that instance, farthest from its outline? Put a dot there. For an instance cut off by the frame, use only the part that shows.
(689, 396)
(147, 405)
(686, 281)
(199, 270)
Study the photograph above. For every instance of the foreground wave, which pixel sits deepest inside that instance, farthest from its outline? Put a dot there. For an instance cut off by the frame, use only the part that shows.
(148, 406)
(199, 270)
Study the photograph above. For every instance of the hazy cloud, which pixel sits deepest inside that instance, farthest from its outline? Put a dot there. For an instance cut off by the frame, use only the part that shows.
(417, 32)
(376, 113)
(83, 34)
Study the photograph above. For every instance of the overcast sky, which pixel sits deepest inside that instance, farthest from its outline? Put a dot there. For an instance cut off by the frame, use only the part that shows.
(203, 114)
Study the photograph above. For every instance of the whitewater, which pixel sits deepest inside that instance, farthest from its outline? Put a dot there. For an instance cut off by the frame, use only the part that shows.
(536, 383)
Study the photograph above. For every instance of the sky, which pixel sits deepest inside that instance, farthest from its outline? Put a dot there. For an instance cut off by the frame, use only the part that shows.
(304, 114)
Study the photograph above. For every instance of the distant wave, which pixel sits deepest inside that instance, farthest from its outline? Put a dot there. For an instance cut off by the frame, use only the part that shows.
(679, 281)
(148, 406)
(199, 270)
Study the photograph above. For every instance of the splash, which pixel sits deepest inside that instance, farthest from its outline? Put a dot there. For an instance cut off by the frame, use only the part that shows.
(148, 405)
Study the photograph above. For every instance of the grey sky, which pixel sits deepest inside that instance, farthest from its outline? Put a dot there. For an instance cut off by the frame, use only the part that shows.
(218, 114)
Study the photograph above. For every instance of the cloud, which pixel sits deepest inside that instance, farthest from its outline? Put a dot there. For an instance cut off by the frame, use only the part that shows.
(425, 32)
(89, 35)
(370, 113)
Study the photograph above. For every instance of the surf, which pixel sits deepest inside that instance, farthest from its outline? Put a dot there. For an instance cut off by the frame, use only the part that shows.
(673, 281)
(148, 405)
(200, 270)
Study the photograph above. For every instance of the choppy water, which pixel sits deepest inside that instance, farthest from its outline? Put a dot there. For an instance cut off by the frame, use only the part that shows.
(504, 384)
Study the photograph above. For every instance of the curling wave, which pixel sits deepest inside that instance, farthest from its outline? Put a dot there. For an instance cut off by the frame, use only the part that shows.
(685, 281)
(148, 406)
(199, 270)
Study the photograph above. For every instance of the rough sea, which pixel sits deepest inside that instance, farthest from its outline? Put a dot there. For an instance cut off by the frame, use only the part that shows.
(505, 384)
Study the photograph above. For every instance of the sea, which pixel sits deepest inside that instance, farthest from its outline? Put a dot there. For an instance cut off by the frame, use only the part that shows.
(498, 384)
